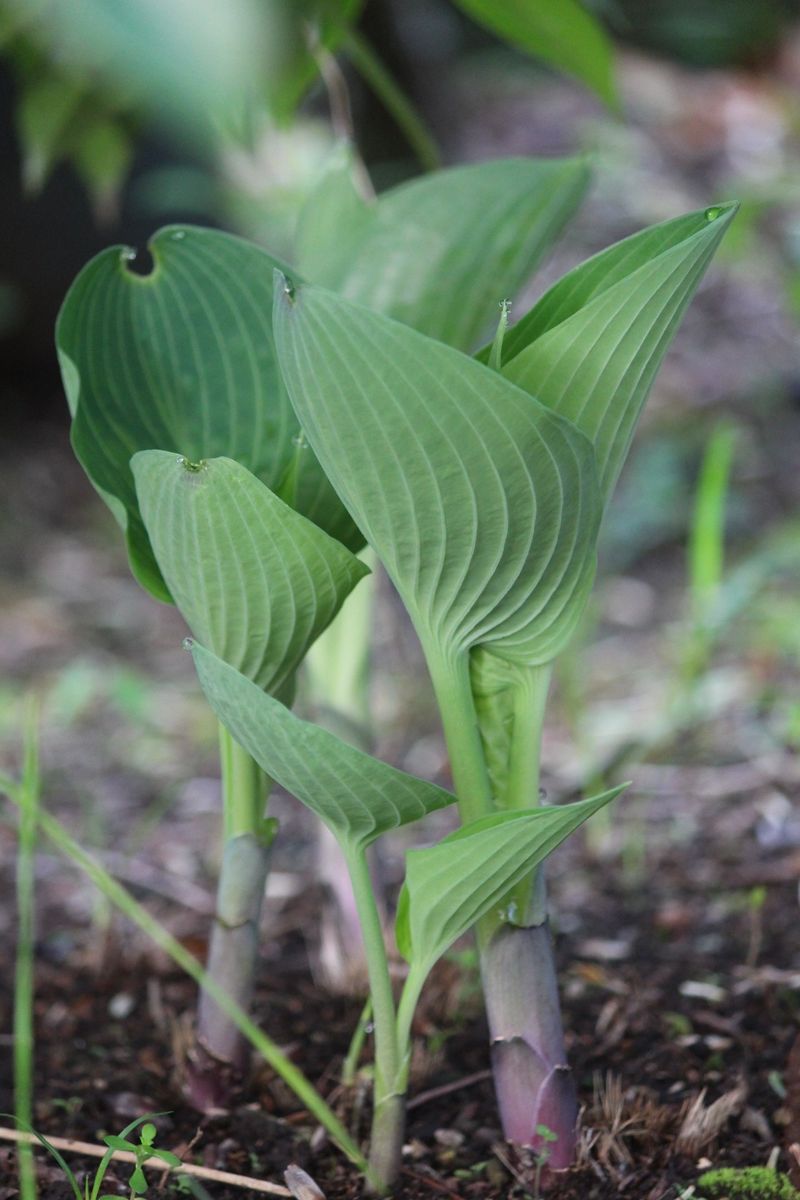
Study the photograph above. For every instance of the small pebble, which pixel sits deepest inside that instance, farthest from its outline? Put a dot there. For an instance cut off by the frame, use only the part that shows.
(121, 1005)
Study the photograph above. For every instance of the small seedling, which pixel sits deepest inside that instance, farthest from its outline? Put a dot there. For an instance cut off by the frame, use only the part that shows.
(142, 1150)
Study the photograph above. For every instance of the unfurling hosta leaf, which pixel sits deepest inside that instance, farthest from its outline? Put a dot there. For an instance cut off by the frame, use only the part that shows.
(440, 252)
(357, 796)
(482, 504)
(255, 581)
(450, 886)
(560, 32)
(181, 359)
(591, 347)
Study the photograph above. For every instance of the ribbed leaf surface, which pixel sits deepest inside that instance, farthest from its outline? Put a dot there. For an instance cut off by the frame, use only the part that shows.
(254, 580)
(440, 253)
(357, 796)
(182, 360)
(591, 347)
(482, 504)
(450, 886)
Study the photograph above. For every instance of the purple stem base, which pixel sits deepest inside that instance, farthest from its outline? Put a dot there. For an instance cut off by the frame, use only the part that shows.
(533, 1081)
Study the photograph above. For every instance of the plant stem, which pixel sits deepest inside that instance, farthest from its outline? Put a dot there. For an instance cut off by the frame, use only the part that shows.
(532, 1078)
(233, 946)
(372, 70)
(23, 976)
(451, 683)
(350, 1064)
(388, 1120)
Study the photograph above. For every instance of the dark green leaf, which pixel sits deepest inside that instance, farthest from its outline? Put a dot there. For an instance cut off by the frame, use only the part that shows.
(183, 360)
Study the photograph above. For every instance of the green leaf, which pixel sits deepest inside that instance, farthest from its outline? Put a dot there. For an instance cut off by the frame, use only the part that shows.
(43, 117)
(254, 580)
(189, 63)
(119, 1143)
(561, 32)
(591, 347)
(166, 1156)
(138, 1181)
(357, 796)
(439, 253)
(482, 504)
(183, 360)
(295, 28)
(450, 886)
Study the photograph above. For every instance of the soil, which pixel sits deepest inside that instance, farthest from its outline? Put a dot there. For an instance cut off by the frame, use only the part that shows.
(679, 1045)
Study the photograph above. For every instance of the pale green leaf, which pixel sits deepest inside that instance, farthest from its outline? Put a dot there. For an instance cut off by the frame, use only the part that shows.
(183, 360)
(256, 582)
(482, 504)
(561, 32)
(591, 347)
(358, 797)
(441, 252)
(451, 885)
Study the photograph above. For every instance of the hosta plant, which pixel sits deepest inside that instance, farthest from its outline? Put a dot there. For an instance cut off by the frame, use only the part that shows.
(183, 424)
(481, 485)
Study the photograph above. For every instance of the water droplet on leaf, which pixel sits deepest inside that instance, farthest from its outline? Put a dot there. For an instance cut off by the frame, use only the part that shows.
(188, 643)
(178, 235)
(713, 213)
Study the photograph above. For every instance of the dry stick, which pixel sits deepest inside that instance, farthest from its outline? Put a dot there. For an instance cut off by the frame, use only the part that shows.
(93, 1151)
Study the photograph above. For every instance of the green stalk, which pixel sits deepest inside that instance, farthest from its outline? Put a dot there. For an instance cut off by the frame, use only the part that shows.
(23, 977)
(451, 683)
(389, 1102)
(233, 945)
(375, 74)
(270, 1052)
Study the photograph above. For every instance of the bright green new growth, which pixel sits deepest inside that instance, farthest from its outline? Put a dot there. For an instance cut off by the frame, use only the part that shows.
(254, 580)
(449, 887)
(747, 1183)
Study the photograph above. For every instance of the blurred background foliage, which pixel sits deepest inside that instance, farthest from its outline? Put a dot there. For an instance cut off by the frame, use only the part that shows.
(119, 117)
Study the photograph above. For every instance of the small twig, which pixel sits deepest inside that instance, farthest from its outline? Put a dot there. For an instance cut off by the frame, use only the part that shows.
(92, 1151)
(446, 1088)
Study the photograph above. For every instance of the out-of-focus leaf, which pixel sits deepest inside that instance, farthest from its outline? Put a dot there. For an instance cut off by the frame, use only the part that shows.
(44, 113)
(253, 579)
(102, 156)
(190, 63)
(439, 253)
(357, 796)
(561, 32)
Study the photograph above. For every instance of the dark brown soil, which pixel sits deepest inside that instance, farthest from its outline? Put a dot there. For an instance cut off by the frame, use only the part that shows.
(679, 1048)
